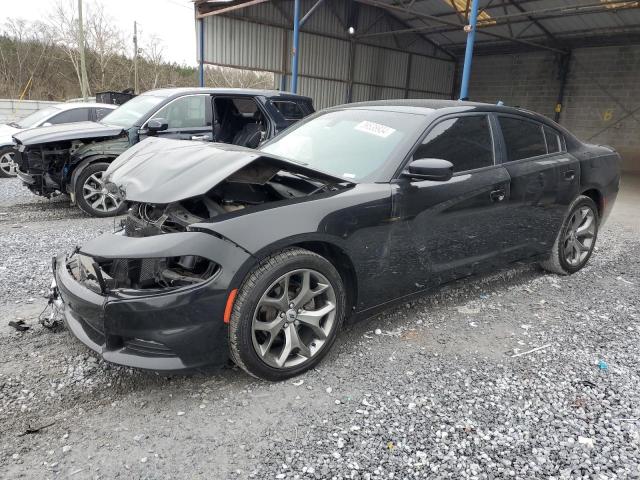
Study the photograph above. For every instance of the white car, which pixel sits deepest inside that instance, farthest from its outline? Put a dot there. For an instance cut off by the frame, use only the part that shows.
(61, 113)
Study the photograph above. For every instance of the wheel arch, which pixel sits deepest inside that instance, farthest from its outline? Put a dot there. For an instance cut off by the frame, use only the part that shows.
(334, 253)
(84, 163)
(341, 261)
(597, 197)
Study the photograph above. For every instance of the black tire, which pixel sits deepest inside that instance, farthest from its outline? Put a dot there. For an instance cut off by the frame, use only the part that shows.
(557, 261)
(4, 173)
(258, 282)
(83, 204)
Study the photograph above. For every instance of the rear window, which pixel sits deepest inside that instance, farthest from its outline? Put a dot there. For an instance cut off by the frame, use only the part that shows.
(289, 110)
(523, 138)
(554, 142)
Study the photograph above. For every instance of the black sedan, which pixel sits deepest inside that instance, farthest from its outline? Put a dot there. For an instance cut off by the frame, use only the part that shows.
(261, 255)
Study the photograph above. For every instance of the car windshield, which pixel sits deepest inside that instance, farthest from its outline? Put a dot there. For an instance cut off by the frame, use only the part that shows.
(133, 111)
(36, 117)
(352, 144)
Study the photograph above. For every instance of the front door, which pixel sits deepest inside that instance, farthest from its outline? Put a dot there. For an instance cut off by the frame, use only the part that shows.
(455, 227)
(188, 118)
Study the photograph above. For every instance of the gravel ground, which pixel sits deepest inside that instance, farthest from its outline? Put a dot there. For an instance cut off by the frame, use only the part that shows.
(428, 389)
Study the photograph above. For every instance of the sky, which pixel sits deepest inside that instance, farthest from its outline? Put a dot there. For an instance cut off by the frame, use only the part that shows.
(170, 20)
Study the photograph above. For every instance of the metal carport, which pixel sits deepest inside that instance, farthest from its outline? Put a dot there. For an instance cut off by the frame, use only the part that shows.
(577, 61)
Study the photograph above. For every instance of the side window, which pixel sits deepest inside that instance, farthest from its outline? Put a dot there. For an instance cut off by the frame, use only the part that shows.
(71, 116)
(102, 112)
(523, 138)
(186, 112)
(554, 143)
(464, 141)
(289, 110)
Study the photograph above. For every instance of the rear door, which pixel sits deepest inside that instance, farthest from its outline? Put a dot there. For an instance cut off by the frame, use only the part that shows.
(456, 227)
(188, 117)
(544, 180)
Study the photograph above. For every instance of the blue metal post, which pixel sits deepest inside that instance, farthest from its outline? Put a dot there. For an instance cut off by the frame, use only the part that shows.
(201, 66)
(468, 54)
(296, 41)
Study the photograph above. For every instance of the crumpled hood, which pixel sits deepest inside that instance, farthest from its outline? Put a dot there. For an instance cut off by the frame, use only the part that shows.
(6, 131)
(161, 171)
(66, 131)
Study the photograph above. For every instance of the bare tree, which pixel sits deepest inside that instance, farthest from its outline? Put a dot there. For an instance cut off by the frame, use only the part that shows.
(153, 54)
(65, 24)
(104, 40)
(236, 78)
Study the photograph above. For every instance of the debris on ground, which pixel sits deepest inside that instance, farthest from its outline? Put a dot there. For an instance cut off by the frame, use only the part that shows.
(19, 325)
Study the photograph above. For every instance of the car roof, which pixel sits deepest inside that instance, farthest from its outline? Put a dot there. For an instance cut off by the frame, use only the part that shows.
(171, 92)
(70, 105)
(428, 106)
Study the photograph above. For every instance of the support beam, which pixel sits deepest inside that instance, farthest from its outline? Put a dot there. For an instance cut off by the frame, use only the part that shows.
(468, 54)
(232, 8)
(377, 3)
(565, 61)
(310, 12)
(201, 62)
(296, 44)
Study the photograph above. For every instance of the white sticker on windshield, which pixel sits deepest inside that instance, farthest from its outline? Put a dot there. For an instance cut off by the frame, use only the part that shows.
(374, 129)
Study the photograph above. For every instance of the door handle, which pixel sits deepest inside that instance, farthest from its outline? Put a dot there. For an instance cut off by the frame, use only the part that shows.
(569, 175)
(498, 195)
(198, 137)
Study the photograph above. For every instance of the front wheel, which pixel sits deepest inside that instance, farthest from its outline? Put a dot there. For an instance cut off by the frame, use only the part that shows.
(92, 195)
(7, 163)
(576, 239)
(286, 315)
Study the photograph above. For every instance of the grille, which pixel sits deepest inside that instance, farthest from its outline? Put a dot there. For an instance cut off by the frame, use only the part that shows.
(148, 347)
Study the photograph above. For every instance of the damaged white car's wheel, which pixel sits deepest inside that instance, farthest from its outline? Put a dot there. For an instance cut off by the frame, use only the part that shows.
(92, 195)
(7, 164)
(286, 314)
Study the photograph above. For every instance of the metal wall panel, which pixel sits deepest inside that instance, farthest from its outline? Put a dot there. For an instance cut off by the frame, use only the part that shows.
(325, 93)
(431, 75)
(243, 44)
(379, 66)
(378, 72)
(324, 57)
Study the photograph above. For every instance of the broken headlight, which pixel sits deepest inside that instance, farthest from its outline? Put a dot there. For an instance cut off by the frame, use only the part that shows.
(143, 273)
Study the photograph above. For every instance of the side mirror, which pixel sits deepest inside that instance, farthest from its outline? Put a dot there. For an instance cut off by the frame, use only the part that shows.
(434, 169)
(156, 125)
(46, 124)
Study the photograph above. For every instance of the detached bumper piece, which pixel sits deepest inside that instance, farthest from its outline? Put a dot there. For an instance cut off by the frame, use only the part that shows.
(161, 329)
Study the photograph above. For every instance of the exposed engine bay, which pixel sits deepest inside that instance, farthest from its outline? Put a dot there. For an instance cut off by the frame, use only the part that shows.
(257, 184)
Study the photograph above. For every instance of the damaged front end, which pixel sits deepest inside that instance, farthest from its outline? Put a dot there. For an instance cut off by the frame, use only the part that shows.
(141, 302)
(45, 157)
(153, 294)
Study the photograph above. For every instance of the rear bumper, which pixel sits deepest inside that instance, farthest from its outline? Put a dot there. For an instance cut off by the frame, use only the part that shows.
(178, 330)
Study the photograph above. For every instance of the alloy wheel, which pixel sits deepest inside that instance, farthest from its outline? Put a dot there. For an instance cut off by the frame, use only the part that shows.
(579, 235)
(97, 196)
(7, 164)
(294, 318)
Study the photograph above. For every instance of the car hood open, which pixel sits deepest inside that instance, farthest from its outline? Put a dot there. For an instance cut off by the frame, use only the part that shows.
(162, 171)
(66, 131)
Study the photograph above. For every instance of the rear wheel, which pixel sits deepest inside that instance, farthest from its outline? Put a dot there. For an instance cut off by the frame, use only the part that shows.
(92, 195)
(576, 239)
(286, 315)
(7, 163)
